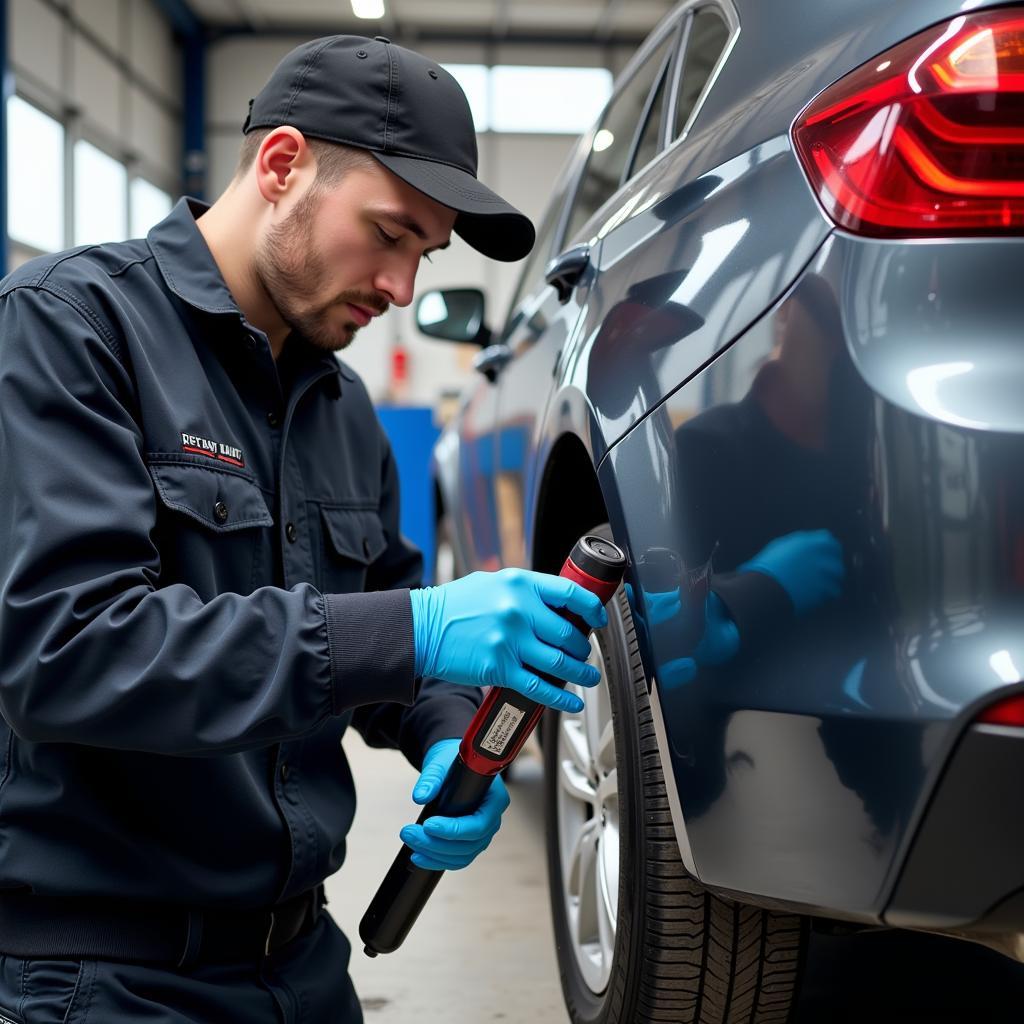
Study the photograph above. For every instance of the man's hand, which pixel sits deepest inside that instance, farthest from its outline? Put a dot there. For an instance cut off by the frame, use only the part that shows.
(447, 844)
(499, 629)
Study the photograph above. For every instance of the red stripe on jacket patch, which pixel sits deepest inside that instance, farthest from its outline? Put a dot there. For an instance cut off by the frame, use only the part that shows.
(212, 449)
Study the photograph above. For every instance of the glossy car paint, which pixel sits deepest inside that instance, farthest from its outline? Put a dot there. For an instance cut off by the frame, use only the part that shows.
(803, 768)
(720, 293)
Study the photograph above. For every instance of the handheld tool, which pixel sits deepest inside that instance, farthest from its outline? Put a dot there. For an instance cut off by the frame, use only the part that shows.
(494, 738)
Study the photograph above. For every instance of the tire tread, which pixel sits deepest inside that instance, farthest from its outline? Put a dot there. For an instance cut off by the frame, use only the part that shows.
(704, 959)
(683, 954)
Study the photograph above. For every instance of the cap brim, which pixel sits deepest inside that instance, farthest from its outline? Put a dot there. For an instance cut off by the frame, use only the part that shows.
(485, 220)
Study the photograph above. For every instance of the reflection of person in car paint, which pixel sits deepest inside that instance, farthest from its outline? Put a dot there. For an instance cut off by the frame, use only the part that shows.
(808, 567)
(764, 582)
(769, 498)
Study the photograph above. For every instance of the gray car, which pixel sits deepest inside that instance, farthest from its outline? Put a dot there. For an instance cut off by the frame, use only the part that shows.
(770, 342)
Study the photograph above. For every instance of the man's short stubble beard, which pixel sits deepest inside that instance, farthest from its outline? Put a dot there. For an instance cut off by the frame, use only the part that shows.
(290, 272)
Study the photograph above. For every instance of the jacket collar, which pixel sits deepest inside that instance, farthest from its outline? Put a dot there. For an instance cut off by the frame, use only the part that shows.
(185, 260)
(191, 272)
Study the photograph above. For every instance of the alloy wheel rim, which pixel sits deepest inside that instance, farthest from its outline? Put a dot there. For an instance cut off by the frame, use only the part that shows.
(588, 829)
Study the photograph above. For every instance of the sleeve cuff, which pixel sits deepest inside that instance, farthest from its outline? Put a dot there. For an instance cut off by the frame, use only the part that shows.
(758, 605)
(444, 712)
(371, 648)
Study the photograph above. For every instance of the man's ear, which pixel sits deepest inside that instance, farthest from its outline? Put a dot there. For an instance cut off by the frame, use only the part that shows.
(283, 159)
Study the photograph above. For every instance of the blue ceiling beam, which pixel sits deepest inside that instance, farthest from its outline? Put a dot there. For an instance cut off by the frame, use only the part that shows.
(193, 50)
(195, 159)
(181, 16)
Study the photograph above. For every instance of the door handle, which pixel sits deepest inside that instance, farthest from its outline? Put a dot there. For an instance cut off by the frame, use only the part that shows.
(491, 360)
(565, 270)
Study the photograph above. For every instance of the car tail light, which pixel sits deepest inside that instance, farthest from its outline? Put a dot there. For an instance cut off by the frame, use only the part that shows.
(1006, 712)
(927, 138)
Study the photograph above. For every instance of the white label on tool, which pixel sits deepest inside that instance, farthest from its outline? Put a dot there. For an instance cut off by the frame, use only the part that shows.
(502, 728)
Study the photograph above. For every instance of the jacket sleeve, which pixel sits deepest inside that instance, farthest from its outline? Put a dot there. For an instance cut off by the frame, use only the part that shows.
(441, 710)
(760, 607)
(92, 650)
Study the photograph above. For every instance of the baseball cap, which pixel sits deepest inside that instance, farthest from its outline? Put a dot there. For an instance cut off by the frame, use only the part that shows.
(408, 112)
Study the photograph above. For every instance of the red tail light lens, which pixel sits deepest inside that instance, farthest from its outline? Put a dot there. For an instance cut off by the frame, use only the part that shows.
(1006, 712)
(927, 138)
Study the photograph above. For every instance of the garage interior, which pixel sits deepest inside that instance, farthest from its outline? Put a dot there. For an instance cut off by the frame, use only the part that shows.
(116, 108)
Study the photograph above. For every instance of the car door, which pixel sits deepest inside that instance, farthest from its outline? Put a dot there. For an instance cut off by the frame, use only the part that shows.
(534, 332)
(544, 316)
(479, 442)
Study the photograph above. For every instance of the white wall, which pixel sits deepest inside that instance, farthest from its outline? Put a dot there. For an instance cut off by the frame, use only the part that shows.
(521, 168)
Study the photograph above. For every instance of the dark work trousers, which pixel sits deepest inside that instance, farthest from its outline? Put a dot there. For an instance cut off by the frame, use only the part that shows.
(305, 982)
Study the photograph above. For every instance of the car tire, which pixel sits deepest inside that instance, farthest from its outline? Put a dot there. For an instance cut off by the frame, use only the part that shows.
(670, 951)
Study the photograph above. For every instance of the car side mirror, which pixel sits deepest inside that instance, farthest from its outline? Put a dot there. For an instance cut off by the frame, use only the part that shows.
(453, 314)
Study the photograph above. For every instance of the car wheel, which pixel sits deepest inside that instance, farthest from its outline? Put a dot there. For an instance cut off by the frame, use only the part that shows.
(638, 938)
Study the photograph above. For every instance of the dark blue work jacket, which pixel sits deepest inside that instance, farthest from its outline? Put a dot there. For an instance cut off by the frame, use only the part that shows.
(187, 529)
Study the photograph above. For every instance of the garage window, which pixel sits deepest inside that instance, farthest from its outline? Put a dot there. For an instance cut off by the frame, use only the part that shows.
(533, 99)
(101, 186)
(705, 43)
(547, 99)
(149, 205)
(613, 141)
(35, 177)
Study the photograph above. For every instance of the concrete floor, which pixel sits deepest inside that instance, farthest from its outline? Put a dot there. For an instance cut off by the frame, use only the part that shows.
(483, 950)
(484, 942)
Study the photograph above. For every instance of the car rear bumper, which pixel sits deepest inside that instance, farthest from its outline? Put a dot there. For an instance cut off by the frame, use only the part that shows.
(965, 869)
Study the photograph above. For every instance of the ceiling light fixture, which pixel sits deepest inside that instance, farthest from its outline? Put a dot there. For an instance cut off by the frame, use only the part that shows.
(368, 8)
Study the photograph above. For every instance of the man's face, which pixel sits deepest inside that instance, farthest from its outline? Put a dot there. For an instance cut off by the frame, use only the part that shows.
(346, 253)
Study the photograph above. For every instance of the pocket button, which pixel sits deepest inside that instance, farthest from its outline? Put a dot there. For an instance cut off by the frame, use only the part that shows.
(220, 512)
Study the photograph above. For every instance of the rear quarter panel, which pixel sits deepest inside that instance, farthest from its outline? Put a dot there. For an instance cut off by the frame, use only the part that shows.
(803, 765)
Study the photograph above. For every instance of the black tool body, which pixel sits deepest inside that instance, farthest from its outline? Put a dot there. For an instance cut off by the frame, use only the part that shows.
(494, 738)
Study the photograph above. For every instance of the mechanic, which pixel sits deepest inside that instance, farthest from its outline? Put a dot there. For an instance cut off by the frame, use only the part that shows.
(203, 579)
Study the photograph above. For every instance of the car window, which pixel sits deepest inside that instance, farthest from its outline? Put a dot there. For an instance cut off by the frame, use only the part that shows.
(649, 144)
(707, 38)
(613, 140)
(533, 269)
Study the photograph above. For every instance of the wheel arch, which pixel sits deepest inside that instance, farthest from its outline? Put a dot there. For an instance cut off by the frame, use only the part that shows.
(569, 503)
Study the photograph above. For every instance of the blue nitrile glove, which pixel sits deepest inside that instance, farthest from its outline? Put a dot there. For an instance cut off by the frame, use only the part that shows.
(807, 564)
(660, 607)
(447, 844)
(491, 629)
(718, 643)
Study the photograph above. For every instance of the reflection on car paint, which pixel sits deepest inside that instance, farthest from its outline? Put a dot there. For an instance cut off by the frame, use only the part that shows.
(697, 271)
(777, 440)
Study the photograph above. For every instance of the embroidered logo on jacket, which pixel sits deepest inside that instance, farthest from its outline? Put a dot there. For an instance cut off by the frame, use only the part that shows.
(212, 449)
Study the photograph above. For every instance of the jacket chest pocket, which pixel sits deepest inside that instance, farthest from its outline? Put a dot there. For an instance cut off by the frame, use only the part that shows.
(212, 532)
(353, 539)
